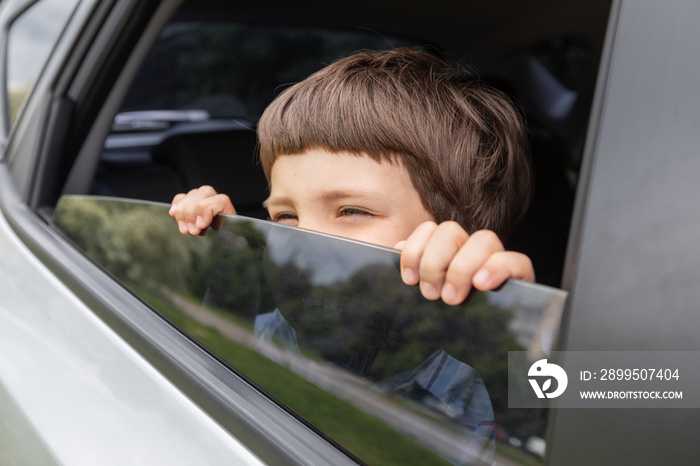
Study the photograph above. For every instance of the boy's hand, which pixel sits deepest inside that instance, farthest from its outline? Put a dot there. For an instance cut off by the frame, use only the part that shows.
(447, 262)
(195, 210)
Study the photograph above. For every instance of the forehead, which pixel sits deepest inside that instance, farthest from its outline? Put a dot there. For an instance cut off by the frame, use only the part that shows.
(315, 169)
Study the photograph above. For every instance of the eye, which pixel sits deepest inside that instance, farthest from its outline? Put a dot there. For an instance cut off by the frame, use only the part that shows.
(353, 211)
(287, 218)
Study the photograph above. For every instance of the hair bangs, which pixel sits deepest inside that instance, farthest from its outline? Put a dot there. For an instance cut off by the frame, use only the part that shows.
(357, 112)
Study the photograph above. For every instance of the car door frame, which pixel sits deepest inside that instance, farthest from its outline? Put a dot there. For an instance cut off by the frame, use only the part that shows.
(270, 431)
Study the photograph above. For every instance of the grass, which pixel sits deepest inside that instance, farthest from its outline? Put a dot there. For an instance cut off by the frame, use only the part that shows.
(360, 433)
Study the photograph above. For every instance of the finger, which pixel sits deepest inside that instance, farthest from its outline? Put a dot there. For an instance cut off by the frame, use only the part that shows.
(442, 247)
(400, 245)
(500, 267)
(413, 251)
(173, 212)
(184, 204)
(466, 263)
(188, 207)
(217, 223)
(207, 209)
(202, 213)
(193, 211)
(175, 201)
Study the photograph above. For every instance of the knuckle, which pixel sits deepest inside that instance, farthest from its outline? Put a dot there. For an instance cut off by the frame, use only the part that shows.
(208, 190)
(221, 199)
(426, 227)
(525, 268)
(451, 225)
(428, 224)
(487, 237)
(189, 209)
(453, 231)
(524, 259)
(202, 191)
(411, 252)
(516, 264)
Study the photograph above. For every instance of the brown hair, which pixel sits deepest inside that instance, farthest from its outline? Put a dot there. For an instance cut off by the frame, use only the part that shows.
(461, 141)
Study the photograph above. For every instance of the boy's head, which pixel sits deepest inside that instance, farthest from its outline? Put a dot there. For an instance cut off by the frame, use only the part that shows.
(461, 142)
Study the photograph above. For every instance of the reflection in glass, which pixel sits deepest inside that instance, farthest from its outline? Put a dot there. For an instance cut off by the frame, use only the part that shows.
(326, 326)
(30, 41)
(177, 75)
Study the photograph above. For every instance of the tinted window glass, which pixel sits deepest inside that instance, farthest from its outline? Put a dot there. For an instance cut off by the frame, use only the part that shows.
(234, 70)
(326, 326)
(30, 42)
(567, 58)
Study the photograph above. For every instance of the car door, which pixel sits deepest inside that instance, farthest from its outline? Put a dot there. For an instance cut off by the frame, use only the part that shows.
(71, 390)
(63, 137)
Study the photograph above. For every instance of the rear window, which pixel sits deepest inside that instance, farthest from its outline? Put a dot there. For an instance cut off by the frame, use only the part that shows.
(234, 70)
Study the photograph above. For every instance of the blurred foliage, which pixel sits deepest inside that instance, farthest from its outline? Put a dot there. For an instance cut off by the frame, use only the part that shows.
(127, 239)
(230, 275)
(16, 98)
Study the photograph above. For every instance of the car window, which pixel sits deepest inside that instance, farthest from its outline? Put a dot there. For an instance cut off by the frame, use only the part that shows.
(326, 327)
(31, 38)
(190, 113)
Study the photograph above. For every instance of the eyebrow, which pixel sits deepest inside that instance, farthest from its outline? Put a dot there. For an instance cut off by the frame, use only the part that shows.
(326, 196)
(276, 200)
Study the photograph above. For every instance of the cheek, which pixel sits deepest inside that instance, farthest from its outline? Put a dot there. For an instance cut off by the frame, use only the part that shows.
(388, 232)
(382, 233)
(406, 223)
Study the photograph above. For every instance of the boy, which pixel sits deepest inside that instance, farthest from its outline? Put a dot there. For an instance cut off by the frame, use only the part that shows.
(398, 149)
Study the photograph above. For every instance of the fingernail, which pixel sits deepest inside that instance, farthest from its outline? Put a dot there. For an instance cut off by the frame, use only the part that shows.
(482, 278)
(192, 228)
(409, 276)
(449, 294)
(429, 291)
(182, 226)
(172, 209)
(200, 222)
